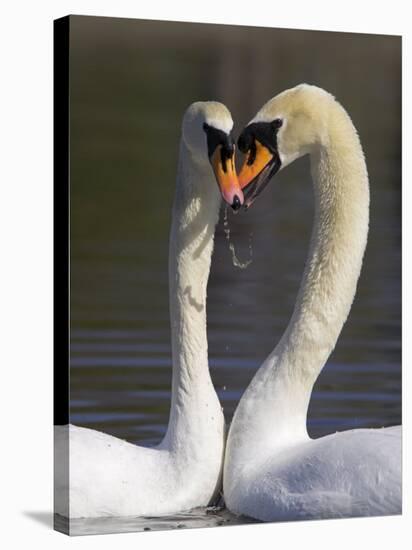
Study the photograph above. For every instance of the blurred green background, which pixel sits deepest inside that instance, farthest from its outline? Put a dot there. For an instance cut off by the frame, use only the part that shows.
(130, 82)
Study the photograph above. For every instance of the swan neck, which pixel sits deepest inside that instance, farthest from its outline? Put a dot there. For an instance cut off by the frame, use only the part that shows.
(331, 273)
(335, 256)
(195, 214)
(274, 406)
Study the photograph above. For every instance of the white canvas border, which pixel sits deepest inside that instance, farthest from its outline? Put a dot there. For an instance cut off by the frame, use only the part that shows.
(26, 274)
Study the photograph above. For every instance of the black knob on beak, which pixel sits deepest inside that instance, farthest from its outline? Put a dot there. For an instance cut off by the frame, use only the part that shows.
(236, 203)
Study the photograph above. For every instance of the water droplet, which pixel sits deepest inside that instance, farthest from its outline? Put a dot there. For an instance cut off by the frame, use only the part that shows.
(235, 260)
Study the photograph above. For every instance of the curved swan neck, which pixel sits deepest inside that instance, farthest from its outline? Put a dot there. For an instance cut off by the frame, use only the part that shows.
(278, 397)
(195, 214)
(336, 251)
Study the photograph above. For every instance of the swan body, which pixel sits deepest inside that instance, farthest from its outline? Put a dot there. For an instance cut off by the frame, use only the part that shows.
(97, 474)
(273, 470)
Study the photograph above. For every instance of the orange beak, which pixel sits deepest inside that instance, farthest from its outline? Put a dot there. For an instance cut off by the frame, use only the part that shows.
(226, 177)
(256, 160)
(257, 170)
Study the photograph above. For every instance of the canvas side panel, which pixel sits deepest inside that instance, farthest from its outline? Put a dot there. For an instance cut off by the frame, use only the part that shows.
(61, 272)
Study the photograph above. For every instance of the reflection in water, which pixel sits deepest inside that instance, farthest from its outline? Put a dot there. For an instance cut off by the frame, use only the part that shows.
(126, 105)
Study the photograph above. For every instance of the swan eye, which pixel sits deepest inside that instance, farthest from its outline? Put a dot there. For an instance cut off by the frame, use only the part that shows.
(277, 123)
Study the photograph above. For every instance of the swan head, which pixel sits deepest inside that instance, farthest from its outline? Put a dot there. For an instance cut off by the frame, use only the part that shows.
(288, 126)
(206, 132)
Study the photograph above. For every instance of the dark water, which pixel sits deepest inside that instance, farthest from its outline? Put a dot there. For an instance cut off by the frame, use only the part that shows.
(126, 104)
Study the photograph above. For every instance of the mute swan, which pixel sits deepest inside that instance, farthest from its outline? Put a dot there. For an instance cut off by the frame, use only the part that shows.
(111, 477)
(273, 470)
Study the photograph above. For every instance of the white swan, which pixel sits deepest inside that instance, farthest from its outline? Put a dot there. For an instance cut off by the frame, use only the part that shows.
(273, 470)
(100, 475)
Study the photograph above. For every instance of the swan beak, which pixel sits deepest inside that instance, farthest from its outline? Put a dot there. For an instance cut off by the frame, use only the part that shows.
(259, 166)
(223, 164)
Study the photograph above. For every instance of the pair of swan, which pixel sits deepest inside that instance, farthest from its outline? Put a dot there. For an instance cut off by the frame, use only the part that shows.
(271, 468)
